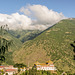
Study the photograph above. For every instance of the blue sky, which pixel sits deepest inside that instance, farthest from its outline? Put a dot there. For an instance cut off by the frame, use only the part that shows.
(67, 7)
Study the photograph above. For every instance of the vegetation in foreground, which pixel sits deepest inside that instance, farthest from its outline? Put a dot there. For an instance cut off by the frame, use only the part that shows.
(37, 72)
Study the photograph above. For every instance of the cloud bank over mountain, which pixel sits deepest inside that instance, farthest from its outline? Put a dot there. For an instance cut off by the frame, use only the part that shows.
(31, 17)
(15, 21)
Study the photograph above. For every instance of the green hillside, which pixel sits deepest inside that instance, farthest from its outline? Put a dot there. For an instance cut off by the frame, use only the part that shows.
(24, 35)
(54, 44)
(16, 44)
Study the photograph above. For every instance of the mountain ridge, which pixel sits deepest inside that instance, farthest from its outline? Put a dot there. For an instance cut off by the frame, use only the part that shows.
(54, 44)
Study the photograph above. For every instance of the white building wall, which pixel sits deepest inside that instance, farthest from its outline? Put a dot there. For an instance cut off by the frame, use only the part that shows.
(10, 73)
(46, 68)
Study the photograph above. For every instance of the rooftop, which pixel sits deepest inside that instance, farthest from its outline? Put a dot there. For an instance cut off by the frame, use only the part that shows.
(9, 70)
(44, 64)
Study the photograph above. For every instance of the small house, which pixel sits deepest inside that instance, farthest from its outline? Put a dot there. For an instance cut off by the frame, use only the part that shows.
(10, 71)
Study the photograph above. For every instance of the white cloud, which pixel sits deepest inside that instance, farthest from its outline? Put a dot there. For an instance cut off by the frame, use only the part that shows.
(34, 17)
(42, 14)
(26, 11)
(15, 21)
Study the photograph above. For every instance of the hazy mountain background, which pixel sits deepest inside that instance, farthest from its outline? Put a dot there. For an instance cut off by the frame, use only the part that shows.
(24, 35)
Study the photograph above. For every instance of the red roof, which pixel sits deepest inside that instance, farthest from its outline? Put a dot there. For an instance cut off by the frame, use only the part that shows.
(1, 66)
(9, 70)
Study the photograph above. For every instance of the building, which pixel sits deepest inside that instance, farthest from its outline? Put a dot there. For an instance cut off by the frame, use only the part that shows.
(22, 69)
(1, 67)
(9, 69)
(45, 66)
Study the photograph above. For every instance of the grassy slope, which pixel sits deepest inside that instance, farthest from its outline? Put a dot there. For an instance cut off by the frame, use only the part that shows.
(17, 37)
(54, 44)
(15, 46)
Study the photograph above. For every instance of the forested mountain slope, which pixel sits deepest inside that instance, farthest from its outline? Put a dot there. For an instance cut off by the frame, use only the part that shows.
(54, 44)
(24, 35)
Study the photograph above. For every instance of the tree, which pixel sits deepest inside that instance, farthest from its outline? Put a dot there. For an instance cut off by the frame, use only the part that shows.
(73, 49)
(4, 43)
(20, 65)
